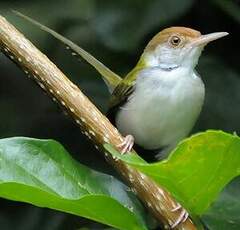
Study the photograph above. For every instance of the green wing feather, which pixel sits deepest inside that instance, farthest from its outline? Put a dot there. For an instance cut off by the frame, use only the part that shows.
(120, 95)
(110, 78)
(122, 92)
(125, 88)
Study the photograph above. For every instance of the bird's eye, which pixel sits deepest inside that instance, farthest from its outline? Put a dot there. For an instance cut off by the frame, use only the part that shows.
(175, 40)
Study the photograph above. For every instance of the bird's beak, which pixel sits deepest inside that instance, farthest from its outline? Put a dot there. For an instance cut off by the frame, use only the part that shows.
(205, 39)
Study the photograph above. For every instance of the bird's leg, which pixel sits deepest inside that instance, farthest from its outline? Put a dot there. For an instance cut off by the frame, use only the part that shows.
(127, 144)
(182, 216)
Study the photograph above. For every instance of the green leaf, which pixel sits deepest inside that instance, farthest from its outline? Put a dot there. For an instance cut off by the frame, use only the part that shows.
(197, 170)
(42, 173)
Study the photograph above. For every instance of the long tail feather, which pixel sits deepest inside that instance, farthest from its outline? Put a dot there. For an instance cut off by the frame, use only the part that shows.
(110, 78)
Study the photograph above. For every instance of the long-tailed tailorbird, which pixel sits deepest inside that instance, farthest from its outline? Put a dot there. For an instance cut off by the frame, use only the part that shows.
(159, 101)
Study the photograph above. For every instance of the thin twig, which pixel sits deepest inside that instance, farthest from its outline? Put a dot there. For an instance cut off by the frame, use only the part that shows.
(90, 120)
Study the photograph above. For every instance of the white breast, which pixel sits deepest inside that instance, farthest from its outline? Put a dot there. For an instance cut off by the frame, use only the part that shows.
(163, 108)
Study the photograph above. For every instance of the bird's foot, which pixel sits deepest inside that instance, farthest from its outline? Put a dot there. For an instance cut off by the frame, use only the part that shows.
(127, 144)
(182, 216)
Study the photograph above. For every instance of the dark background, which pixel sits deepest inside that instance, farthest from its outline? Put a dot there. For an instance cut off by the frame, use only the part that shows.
(115, 32)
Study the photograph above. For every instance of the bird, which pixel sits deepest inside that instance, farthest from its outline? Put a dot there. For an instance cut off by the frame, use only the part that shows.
(158, 102)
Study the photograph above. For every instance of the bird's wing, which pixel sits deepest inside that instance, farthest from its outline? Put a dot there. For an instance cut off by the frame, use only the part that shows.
(111, 79)
(121, 93)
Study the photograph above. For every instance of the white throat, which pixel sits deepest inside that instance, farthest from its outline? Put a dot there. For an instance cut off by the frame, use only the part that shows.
(167, 58)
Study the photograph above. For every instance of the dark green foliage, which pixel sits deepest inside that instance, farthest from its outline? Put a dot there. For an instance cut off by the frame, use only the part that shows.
(197, 171)
(42, 173)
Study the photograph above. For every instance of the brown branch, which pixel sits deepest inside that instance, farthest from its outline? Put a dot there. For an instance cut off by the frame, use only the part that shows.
(90, 120)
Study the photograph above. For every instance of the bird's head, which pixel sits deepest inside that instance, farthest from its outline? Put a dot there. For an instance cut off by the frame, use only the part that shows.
(177, 46)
